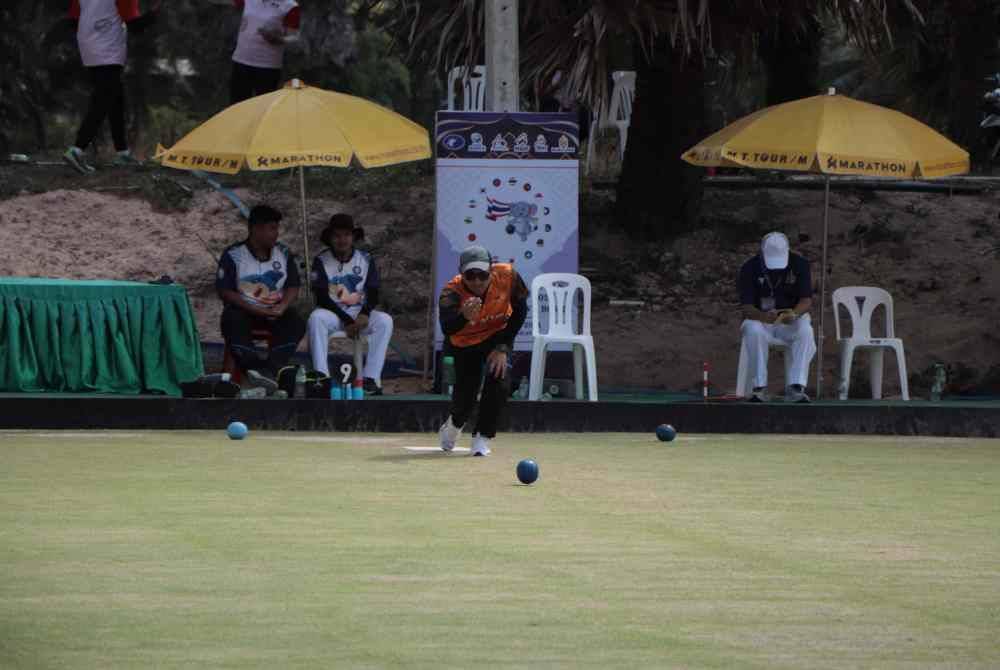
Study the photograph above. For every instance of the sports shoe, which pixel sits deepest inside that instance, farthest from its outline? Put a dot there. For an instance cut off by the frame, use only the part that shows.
(371, 387)
(449, 435)
(759, 394)
(796, 393)
(480, 445)
(74, 156)
(258, 380)
(126, 159)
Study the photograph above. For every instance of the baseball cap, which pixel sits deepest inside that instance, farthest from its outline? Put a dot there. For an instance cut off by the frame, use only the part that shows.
(774, 249)
(474, 258)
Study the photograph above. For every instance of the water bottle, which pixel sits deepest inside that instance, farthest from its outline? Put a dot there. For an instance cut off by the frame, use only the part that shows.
(216, 377)
(336, 392)
(522, 389)
(940, 376)
(300, 382)
(448, 374)
(358, 390)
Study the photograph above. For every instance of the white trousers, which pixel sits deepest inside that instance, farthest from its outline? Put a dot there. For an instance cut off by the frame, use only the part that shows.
(797, 336)
(323, 323)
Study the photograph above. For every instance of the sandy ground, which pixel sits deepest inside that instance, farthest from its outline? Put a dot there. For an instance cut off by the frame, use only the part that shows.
(934, 253)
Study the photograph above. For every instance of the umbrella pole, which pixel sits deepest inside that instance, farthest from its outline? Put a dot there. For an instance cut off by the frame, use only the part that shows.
(305, 231)
(822, 289)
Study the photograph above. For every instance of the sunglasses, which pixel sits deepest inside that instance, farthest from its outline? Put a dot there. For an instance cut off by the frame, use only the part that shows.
(475, 275)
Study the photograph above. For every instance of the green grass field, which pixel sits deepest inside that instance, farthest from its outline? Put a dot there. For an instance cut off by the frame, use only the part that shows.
(188, 550)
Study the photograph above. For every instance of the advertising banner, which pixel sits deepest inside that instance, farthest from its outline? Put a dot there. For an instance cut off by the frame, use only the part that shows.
(508, 182)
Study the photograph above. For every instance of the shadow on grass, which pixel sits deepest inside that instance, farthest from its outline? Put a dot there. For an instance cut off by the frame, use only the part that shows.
(407, 456)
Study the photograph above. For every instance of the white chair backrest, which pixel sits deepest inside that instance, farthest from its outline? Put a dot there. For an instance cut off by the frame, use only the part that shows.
(560, 290)
(622, 96)
(473, 88)
(861, 302)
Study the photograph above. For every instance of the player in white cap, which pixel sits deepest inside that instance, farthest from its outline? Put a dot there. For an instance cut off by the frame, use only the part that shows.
(776, 296)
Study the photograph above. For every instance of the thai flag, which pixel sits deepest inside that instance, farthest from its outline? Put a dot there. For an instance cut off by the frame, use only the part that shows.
(496, 209)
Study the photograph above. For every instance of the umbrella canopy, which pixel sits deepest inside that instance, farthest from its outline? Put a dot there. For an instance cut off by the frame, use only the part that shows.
(835, 135)
(299, 126)
(831, 135)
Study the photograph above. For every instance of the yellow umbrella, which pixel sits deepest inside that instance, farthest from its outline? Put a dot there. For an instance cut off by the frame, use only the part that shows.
(299, 126)
(832, 135)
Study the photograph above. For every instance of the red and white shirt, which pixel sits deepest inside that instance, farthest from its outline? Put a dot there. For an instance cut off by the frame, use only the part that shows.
(251, 47)
(101, 34)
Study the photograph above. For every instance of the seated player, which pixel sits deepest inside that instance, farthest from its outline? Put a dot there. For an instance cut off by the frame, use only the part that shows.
(776, 295)
(480, 310)
(345, 283)
(258, 280)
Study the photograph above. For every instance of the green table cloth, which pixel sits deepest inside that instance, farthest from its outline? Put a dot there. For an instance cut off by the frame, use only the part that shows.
(96, 336)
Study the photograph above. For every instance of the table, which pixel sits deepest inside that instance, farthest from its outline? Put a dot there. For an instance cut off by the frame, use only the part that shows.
(96, 337)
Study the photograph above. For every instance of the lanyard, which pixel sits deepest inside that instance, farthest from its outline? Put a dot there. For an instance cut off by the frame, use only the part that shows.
(767, 278)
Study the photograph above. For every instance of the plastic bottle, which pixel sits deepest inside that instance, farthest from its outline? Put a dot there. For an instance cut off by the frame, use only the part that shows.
(300, 382)
(448, 375)
(358, 390)
(216, 377)
(522, 389)
(336, 392)
(940, 376)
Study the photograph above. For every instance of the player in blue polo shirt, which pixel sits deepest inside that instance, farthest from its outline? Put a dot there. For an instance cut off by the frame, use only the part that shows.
(258, 280)
(345, 283)
(775, 296)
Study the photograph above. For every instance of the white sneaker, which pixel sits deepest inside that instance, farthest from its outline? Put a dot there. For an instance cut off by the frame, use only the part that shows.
(449, 435)
(480, 445)
(258, 380)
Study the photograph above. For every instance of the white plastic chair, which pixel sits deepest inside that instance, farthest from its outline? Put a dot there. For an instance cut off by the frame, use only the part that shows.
(359, 351)
(560, 290)
(618, 113)
(861, 303)
(744, 377)
(473, 89)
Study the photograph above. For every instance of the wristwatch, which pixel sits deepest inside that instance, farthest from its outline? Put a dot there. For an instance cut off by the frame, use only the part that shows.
(502, 348)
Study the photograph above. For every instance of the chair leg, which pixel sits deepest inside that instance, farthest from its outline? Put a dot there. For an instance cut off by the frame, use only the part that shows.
(904, 382)
(876, 360)
(578, 371)
(743, 372)
(590, 148)
(591, 372)
(537, 371)
(846, 357)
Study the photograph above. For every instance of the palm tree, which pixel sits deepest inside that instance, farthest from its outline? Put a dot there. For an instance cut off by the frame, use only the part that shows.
(672, 40)
(935, 70)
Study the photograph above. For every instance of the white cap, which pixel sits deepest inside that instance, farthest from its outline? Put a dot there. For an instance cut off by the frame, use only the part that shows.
(774, 249)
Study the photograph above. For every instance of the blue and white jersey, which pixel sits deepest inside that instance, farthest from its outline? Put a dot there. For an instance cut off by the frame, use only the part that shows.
(346, 283)
(260, 282)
